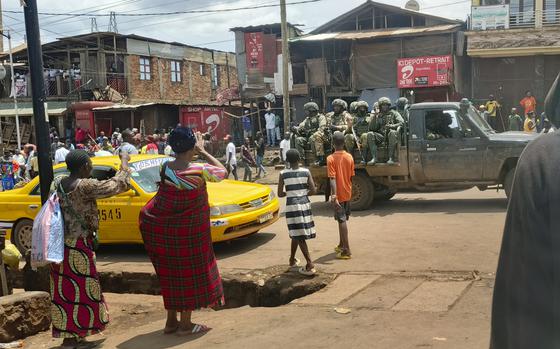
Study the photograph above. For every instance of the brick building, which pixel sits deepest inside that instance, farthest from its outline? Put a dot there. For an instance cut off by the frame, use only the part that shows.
(148, 81)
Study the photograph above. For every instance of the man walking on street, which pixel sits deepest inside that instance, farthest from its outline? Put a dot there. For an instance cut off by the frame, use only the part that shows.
(231, 158)
(259, 144)
(270, 119)
(340, 167)
(247, 160)
(284, 147)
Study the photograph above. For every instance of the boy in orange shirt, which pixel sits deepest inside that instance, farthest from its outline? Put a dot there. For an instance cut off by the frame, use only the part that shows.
(340, 167)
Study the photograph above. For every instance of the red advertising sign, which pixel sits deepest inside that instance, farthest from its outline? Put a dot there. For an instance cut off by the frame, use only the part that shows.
(206, 120)
(424, 71)
(254, 50)
(84, 118)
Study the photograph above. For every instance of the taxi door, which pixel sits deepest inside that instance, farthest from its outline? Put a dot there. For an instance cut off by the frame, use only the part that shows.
(118, 215)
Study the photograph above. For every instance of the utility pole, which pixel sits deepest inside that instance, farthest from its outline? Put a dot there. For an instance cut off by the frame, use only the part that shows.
(14, 90)
(113, 22)
(285, 66)
(39, 98)
(94, 28)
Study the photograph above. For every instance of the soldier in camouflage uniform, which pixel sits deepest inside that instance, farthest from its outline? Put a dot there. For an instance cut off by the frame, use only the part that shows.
(336, 121)
(385, 128)
(311, 130)
(402, 107)
(352, 109)
(358, 132)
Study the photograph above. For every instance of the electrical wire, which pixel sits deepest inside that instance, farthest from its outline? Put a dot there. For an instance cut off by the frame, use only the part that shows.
(170, 13)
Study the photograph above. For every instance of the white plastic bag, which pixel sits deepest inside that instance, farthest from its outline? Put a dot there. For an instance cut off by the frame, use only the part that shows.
(55, 245)
(47, 243)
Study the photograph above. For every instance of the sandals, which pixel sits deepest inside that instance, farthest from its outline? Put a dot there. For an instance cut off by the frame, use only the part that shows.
(337, 249)
(296, 265)
(306, 272)
(197, 329)
(343, 256)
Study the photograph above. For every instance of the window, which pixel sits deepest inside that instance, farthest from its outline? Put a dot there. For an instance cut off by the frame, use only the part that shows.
(175, 71)
(145, 70)
(443, 124)
(215, 76)
(202, 69)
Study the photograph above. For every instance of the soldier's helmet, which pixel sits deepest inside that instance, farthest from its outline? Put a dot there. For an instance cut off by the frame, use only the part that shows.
(360, 104)
(402, 102)
(465, 102)
(384, 100)
(311, 106)
(353, 106)
(340, 102)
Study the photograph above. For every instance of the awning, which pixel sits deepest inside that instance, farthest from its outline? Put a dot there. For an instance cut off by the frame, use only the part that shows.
(122, 107)
(513, 42)
(29, 112)
(380, 33)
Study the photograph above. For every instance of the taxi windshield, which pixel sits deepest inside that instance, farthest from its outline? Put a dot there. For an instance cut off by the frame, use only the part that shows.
(146, 173)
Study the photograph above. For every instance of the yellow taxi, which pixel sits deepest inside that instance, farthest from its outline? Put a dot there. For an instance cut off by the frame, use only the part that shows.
(236, 208)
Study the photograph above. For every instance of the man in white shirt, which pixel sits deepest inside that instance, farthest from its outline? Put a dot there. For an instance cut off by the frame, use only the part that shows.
(126, 146)
(61, 152)
(231, 157)
(284, 146)
(270, 119)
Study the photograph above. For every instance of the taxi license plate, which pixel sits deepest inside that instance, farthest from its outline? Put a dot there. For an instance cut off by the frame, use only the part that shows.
(265, 217)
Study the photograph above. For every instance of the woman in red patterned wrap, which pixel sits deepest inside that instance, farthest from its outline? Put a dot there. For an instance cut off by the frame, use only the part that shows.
(175, 226)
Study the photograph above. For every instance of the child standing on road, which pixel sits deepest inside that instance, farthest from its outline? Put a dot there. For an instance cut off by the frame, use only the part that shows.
(298, 185)
(340, 167)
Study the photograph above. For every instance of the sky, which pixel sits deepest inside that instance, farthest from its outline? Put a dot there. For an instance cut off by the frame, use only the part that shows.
(205, 30)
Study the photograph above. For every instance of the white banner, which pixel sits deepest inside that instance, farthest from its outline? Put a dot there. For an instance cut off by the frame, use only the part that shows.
(490, 17)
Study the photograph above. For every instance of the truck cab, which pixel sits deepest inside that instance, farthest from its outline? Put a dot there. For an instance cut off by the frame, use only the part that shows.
(442, 148)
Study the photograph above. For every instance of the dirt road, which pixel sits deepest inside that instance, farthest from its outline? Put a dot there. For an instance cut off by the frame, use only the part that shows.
(421, 276)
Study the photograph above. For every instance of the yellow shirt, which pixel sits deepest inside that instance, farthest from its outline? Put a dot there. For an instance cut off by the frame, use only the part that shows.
(492, 107)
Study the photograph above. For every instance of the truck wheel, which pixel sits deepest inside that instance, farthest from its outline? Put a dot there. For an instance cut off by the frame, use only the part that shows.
(362, 193)
(508, 182)
(21, 235)
(386, 196)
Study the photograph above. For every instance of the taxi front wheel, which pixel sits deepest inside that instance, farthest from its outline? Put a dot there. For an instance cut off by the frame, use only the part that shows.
(21, 235)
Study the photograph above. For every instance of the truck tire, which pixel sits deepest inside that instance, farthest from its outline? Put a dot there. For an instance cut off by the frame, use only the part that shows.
(21, 235)
(508, 182)
(362, 193)
(386, 196)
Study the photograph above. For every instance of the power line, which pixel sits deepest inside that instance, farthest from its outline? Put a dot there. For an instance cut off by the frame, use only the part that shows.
(172, 13)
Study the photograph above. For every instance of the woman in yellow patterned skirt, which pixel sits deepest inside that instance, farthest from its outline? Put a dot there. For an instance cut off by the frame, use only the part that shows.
(78, 308)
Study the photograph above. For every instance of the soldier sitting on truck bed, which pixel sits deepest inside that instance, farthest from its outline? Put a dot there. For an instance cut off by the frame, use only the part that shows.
(311, 131)
(386, 128)
(336, 121)
(358, 132)
(402, 107)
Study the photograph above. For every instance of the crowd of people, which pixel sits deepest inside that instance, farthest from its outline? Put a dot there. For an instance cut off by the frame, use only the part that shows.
(529, 121)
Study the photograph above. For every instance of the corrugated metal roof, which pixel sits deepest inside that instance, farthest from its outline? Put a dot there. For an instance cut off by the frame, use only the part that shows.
(373, 34)
(29, 112)
(122, 107)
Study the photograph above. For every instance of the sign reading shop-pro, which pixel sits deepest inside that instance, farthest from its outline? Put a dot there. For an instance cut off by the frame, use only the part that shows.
(427, 71)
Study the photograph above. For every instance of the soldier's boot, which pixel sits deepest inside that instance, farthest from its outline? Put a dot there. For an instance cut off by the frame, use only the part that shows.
(393, 137)
(373, 149)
